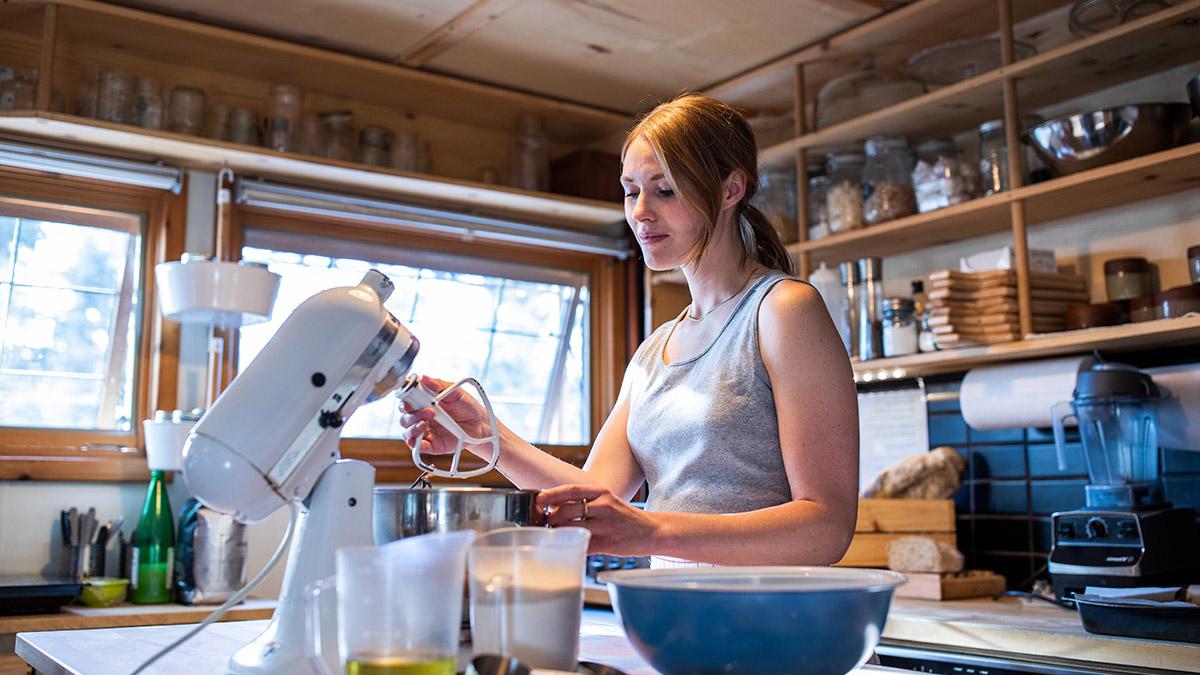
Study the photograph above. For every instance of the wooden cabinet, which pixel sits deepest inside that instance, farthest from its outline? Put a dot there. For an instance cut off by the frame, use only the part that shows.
(1063, 68)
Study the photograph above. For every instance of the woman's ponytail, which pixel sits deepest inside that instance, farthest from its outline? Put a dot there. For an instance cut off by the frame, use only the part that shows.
(761, 241)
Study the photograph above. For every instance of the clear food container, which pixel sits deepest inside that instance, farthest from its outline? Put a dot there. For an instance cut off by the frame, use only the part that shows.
(244, 126)
(148, 108)
(186, 114)
(776, 198)
(844, 200)
(339, 134)
(375, 145)
(939, 178)
(887, 180)
(114, 97)
(283, 122)
(862, 92)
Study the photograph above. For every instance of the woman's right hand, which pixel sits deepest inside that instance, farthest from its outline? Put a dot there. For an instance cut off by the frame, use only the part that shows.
(467, 412)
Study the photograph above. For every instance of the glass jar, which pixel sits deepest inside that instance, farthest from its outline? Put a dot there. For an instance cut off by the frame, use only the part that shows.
(938, 179)
(243, 126)
(887, 180)
(20, 91)
(406, 151)
(844, 199)
(148, 105)
(86, 96)
(530, 154)
(776, 198)
(1127, 278)
(218, 122)
(283, 122)
(339, 134)
(186, 114)
(114, 96)
(899, 327)
(993, 157)
(489, 175)
(375, 145)
(313, 136)
(818, 207)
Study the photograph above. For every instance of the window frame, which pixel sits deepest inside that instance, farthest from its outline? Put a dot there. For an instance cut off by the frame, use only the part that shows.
(30, 453)
(613, 329)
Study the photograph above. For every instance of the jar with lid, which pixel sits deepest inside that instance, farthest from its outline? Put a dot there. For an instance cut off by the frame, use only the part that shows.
(86, 96)
(217, 126)
(186, 112)
(530, 154)
(406, 151)
(899, 327)
(313, 136)
(993, 157)
(375, 145)
(844, 198)
(114, 97)
(938, 178)
(148, 105)
(818, 206)
(283, 122)
(776, 198)
(243, 126)
(19, 91)
(339, 134)
(887, 180)
(1127, 278)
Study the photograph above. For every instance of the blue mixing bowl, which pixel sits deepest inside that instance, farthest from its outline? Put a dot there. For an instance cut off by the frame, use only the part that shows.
(753, 620)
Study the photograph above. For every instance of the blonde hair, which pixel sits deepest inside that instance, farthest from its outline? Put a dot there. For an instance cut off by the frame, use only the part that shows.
(700, 141)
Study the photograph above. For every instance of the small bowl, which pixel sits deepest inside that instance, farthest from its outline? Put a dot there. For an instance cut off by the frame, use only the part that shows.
(103, 591)
(1087, 140)
(779, 620)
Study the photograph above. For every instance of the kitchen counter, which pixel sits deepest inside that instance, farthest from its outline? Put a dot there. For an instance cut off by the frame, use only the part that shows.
(1027, 630)
(68, 652)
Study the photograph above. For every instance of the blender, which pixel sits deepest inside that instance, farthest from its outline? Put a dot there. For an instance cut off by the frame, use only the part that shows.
(1126, 535)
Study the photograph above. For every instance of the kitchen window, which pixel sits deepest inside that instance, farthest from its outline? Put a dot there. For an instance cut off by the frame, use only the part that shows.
(521, 330)
(82, 361)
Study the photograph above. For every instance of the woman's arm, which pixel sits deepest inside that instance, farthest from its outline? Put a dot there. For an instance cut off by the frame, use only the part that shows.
(817, 408)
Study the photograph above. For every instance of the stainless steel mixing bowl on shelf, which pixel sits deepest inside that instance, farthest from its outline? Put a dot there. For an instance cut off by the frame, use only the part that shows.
(1098, 137)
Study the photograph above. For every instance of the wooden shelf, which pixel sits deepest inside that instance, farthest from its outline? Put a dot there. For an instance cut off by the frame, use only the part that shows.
(1140, 178)
(1151, 44)
(1134, 336)
(196, 152)
(87, 27)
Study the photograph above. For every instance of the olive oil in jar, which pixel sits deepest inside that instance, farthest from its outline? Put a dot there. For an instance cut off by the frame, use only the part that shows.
(403, 664)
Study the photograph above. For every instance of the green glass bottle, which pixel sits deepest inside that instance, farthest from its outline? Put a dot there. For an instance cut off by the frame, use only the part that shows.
(153, 546)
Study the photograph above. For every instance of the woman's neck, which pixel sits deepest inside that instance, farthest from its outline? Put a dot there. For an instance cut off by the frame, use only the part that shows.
(719, 274)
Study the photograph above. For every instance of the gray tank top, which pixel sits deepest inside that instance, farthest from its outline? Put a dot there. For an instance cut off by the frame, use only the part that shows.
(704, 430)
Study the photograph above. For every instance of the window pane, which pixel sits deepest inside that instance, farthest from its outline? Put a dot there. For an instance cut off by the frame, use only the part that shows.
(61, 255)
(505, 332)
(66, 325)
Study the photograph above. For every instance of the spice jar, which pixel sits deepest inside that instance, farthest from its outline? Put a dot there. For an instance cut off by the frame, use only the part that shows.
(1178, 301)
(243, 126)
(887, 180)
(375, 145)
(148, 104)
(818, 208)
(1127, 278)
(899, 327)
(938, 178)
(844, 200)
(1194, 264)
(114, 97)
(283, 122)
(530, 155)
(339, 134)
(776, 198)
(186, 114)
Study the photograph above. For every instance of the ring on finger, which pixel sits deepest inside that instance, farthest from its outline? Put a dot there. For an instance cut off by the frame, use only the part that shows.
(584, 503)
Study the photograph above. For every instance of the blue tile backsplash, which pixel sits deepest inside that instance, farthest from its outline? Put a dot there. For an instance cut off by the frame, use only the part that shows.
(1013, 483)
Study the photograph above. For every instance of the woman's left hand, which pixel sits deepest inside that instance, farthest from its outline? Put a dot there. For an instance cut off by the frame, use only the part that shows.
(617, 527)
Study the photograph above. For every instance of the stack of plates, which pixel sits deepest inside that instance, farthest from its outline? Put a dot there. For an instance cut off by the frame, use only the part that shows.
(970, 308)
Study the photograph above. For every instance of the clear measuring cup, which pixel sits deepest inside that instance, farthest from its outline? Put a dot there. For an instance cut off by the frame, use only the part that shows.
(527, 594)
(393, 609)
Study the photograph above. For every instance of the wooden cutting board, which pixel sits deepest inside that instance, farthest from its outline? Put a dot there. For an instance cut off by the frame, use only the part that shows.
(1002, 292)
(1055, 308)
(951, 585)
(1009, 277)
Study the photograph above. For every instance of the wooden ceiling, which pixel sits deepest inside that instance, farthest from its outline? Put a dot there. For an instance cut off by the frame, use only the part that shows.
(622, 55)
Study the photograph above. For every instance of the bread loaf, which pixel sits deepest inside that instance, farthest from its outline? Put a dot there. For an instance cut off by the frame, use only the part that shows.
(933, 475)
(922, 554)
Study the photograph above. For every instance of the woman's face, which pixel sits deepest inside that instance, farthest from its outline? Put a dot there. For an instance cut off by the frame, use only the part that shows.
(665, 227)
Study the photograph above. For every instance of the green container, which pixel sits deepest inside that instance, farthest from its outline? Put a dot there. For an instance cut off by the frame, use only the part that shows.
(103, 591)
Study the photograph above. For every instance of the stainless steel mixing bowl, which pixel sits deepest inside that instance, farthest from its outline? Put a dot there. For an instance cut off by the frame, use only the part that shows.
(778, 620)
(1087, 140)
(401, 512)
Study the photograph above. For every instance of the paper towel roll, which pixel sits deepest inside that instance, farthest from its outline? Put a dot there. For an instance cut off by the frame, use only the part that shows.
(1179, 414)
(1018, 394)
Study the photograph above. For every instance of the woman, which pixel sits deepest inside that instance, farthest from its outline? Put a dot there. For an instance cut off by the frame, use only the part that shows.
(740, 413)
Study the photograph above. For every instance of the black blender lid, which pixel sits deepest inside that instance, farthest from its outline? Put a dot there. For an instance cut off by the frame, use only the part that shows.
(1110, 380)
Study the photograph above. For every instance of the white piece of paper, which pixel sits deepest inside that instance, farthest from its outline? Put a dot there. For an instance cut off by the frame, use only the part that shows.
(892, 425)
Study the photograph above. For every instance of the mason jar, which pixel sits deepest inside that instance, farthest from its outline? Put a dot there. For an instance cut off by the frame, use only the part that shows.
(339, 134)
(844, 198)
(887, 180)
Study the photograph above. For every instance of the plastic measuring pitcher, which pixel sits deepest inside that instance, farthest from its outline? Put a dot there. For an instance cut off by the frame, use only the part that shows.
(394, 609)
(527, 594)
